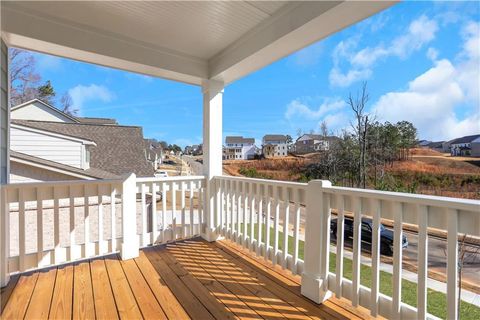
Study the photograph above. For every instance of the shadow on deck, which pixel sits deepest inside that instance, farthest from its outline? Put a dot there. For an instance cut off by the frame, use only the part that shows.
(189, 279)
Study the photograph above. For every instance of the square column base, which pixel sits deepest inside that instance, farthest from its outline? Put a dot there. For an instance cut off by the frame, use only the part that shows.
(211, 236)
(313, 288)
(129, 250)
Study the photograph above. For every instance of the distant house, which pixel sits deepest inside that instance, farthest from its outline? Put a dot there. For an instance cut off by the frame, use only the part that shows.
(463, 146)
(239, 148)
(153, 152)
(193, 150)
(63, 147)
(308, 143)
(437, 146)
(423, 143)
(274, 146)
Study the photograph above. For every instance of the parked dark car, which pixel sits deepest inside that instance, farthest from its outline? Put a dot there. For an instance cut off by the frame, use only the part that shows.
(386, 235)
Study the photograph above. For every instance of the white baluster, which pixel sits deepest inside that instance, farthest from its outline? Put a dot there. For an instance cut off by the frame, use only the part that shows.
(153, 188)
(267, 223)
(357, 250)
(452, 265)
(376, 211)
(397, 259)
(422, 213)
(340, 205)
(296, 227)
(21, 228)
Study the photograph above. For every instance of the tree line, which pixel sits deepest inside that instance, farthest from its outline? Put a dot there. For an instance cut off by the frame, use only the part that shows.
(361, 154)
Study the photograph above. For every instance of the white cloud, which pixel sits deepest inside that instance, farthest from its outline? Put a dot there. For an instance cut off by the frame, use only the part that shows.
(361, 62)
(81, 94)
(304, 115)
(442, 102)
(299, 109)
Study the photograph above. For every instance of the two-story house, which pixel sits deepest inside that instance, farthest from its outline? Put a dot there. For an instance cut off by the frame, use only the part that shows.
(463, 146)
(274, 146)
(239, 148)
(47, 144)
(308, 143)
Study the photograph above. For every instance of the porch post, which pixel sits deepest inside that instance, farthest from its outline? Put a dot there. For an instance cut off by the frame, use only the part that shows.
(317, 243)
(212, 152)
(4, 164)
(129, 219)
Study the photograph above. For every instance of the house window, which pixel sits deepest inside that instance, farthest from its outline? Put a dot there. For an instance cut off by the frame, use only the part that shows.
(87, 155)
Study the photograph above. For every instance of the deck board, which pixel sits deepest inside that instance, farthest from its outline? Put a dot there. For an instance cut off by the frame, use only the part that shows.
(105, 307)
(61, 306)
(192, 279)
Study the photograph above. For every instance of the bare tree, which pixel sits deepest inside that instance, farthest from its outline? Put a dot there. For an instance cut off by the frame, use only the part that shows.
(324, 128)
(360, 128)
(23, 77)
(66, 104)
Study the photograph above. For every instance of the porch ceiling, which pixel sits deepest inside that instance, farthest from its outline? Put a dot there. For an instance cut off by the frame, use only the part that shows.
(184, 41)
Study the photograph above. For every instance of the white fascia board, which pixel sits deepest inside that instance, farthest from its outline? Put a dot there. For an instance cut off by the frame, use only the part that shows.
(29, 30)
(293, 28)
(46, 167)
(53, 134)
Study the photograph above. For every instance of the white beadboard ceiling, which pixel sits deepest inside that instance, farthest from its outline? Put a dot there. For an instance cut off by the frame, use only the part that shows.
(188, 41)
(195, 28)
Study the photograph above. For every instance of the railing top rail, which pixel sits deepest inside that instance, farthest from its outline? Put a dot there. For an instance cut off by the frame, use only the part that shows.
(455, 203)
(169, 179)
(264, 181)
(47, 184)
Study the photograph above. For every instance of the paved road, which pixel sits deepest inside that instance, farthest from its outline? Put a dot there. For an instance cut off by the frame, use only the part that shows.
(196, 168)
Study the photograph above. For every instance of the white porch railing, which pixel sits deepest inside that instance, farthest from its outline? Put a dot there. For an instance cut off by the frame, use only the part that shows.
(51, 223)
(252, 212)
(57, 222)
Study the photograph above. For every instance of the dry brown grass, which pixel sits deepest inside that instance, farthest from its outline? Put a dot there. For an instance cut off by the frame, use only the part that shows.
(435, 165)
(425, 152)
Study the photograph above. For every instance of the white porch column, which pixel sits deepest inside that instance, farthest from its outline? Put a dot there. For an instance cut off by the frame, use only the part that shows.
(4, 164)
(317, 243)
(212, 152)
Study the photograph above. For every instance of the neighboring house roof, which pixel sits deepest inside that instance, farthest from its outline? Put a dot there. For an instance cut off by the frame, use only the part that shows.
(119, 149)
(465, 139)
(52, 108)
(318, 137)
(437, 144)
(21, 125)
(88, 120)
(91, 173)
(274, 137)
(239, 139)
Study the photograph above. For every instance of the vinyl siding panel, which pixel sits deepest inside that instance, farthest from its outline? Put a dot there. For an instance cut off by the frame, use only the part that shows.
(39, 112)
(47, 147)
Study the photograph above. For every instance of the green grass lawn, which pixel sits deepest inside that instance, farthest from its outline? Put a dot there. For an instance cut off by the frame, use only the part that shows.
(436, 301)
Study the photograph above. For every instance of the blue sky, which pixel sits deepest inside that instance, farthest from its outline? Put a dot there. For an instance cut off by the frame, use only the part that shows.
(421, 61)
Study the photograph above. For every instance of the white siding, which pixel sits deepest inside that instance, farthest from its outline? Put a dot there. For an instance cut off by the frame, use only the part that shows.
(4, 114)
(38, 111)
(47, 147)
(20, 172)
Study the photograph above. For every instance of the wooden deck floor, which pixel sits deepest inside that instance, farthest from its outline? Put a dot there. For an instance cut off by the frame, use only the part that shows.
(191, 279)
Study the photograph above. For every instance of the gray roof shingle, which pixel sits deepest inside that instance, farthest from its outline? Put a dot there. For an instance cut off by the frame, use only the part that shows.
(119, 149)
(239, 139)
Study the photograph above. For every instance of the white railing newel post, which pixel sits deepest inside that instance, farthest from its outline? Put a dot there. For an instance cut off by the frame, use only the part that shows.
(5, 238)
(130, 243)
(315, 274)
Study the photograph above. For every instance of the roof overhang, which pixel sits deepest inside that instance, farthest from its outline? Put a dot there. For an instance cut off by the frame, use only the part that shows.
(219, 51)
